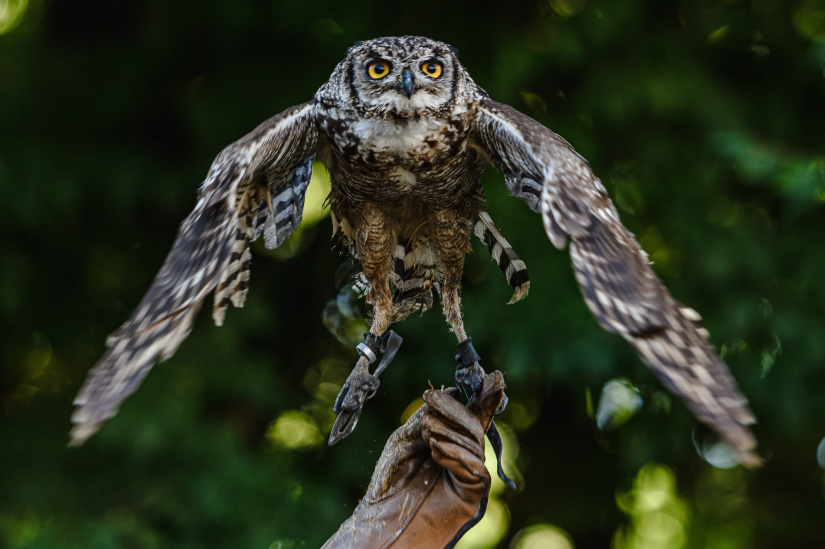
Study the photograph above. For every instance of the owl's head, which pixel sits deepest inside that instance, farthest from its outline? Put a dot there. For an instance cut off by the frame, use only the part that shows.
(402, 75)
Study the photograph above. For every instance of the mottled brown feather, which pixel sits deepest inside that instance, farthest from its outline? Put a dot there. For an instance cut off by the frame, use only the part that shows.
(613, 272)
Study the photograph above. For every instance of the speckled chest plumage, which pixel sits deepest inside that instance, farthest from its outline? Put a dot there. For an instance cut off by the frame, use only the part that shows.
(394, 160)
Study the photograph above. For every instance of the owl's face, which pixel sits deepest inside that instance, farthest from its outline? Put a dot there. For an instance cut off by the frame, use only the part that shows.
(402, 75)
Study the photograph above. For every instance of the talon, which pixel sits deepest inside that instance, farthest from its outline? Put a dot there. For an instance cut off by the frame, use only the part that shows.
(373, 390)
(361, 385)
(344, 425)
(503, 406)
(338, 407)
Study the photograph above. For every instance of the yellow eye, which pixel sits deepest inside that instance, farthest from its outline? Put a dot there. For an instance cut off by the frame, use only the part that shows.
(378, 69)
(431, 69)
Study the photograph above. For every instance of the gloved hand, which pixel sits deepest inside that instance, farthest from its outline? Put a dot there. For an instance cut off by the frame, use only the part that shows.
(430, 484)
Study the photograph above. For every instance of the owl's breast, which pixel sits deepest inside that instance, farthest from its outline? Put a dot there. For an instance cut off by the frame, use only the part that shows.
(399, 142)
(389, 159)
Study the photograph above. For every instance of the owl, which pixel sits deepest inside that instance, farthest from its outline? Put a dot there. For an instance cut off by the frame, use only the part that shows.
(405, 134)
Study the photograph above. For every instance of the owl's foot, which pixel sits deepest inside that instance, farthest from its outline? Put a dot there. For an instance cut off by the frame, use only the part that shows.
(361, 385)
(469, 375)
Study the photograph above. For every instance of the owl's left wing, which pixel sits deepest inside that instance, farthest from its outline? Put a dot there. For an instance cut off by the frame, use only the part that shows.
(255, 186)
(612, 270)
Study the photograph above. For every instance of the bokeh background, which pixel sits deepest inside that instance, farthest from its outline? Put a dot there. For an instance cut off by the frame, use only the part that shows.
(706, 122)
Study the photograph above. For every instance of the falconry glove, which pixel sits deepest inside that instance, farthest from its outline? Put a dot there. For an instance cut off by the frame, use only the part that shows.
(430, 484)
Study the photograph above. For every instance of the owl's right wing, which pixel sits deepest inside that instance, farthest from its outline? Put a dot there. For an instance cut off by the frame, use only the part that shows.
(613, 272)
(255, 186)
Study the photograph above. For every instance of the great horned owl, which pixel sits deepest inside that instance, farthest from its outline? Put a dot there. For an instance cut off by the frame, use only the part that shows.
(405, 133)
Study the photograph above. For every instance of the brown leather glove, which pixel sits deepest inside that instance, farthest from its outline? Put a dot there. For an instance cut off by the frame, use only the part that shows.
(430, 484)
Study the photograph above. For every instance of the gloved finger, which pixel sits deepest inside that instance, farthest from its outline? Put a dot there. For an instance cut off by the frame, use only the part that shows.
(490, 399)
(458, 416)
(458, 445)
(444, 431)
(465, 466)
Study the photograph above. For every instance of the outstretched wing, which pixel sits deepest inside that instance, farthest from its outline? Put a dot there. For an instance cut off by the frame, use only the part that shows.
(255, 186)
(612, 270)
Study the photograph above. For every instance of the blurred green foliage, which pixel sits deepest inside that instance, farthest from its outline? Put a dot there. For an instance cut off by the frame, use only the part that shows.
(706, 121)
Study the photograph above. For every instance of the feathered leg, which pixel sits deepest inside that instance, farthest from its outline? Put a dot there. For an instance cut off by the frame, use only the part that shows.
(374, 242)
(374, 246)
(451, 232)
(451, 229)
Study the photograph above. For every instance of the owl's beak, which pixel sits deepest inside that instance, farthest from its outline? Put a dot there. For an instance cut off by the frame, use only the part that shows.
(406, 86)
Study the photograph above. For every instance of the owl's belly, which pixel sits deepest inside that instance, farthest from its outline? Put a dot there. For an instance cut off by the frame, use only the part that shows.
(427, 173)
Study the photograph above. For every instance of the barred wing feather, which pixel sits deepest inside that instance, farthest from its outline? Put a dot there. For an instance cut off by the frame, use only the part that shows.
(613, 272)
(255, 186)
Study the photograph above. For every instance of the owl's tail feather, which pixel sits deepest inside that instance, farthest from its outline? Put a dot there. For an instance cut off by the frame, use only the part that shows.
(414, 275)
(504, 255)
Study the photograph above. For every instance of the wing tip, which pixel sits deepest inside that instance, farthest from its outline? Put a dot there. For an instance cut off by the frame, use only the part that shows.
(744, 449)
(81, 432)
(743, 441)
(750, 460)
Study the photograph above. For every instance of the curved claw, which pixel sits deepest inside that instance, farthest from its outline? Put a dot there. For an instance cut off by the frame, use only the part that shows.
(344, 425)
(361, 385)
(503, 406)
(350, 402)
(373, 390)
(338, 407)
